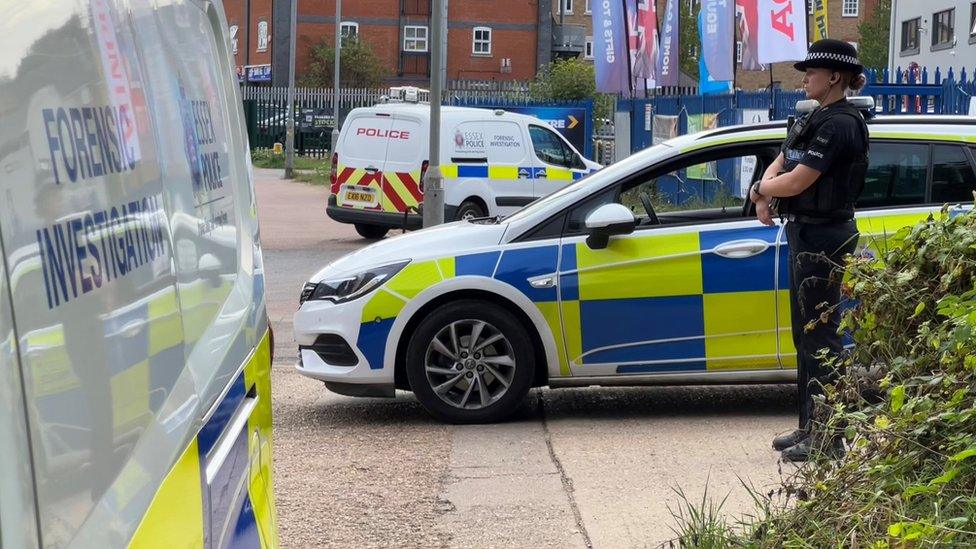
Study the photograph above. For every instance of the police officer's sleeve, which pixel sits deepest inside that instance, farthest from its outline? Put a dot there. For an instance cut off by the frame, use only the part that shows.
(827, 144)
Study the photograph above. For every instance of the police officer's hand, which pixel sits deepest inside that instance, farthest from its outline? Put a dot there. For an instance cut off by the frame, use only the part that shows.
(763, 212)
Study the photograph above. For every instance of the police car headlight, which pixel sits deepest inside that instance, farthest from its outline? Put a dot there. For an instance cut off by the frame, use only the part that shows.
(341, 290)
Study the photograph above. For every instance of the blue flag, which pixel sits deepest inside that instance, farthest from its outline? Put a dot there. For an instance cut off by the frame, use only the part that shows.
(667, 60)
(715, 26)
(610, 54)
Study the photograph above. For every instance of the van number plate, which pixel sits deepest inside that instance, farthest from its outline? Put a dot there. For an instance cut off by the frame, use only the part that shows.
(360, 196)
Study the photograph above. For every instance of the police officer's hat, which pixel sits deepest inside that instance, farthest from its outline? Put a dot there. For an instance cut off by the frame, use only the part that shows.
(831, 54)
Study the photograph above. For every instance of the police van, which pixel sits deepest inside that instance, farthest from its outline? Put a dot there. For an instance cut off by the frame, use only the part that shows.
(135, 350)
(493, 162)
(654, 270)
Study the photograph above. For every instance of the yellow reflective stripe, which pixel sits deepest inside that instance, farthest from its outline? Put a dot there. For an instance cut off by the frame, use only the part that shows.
(550, 311)
(447, 267)
(503, 172)
(449, 171)
(381, 306)
(175, 516)
(130, 397)
(724, 338)
(650, 266)
(257, 372)
(574, 332)
(415, 278)
(559, 174)
(396, 185)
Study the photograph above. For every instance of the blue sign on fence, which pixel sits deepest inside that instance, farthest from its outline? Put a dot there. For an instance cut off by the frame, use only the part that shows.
(258, 73)
(572, 122)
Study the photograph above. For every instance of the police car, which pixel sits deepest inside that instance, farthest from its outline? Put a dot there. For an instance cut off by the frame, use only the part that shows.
(135, 349)
(651, 271)
(493, 163)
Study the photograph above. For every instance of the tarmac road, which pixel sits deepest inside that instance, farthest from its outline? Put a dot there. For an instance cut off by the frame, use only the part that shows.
(593, 467)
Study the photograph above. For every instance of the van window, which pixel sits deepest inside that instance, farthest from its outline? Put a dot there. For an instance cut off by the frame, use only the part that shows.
(895, 176)
(366, 140)
(549, 148)
(952, 175)
(505, 143)
(406, 144)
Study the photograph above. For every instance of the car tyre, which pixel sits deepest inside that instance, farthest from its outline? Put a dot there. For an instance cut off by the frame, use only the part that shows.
(450, 387)
(371, 232)
(470, 209)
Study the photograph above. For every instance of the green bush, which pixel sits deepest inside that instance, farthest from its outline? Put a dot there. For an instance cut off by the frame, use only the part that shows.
(905, 403)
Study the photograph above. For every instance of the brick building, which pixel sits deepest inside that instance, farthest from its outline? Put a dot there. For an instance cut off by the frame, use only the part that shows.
(496, 40)
(250, 23)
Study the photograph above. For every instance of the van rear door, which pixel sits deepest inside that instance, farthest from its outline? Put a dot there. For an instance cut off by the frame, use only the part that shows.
(405, 154)
(361, 154)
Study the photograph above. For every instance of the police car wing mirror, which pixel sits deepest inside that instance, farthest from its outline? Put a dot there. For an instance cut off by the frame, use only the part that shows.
(606, 221)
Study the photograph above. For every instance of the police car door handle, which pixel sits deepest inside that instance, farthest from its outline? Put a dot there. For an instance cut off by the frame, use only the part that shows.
(542, 282)
(371, 170)
(741, 249)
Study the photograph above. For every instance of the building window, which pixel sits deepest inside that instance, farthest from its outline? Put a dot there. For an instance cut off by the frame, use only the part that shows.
(481, 42)
(349, 30)
(415, 38)
(566, 6)
(943, 28)
(588, 48)
(738, 51)
(810, 6)
(850, 8)
(909, 36)
(588, 8)
(972, 22)
(263, 36)
(233, 37)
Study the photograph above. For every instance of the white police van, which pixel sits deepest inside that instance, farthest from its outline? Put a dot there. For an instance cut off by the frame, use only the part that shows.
(135, 351)
(493, 162)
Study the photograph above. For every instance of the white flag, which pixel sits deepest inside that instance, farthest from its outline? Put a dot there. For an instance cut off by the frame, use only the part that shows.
(782, 30)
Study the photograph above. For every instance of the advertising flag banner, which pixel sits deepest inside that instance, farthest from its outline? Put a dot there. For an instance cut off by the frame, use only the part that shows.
(643, 40)
(819, 19)
(746, 18)
(782, 30)
(717, 27)
(667, 61)
(610, 55)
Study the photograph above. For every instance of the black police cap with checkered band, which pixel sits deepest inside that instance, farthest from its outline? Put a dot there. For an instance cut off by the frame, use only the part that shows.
(831, 54)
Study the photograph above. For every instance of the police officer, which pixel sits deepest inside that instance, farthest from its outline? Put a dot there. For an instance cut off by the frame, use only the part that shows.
(813, 184)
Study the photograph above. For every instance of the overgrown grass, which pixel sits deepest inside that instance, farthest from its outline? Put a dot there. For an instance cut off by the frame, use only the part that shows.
(266, 158)
(904, 400)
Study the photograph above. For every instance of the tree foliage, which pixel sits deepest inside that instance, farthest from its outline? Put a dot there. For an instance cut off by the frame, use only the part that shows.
(571, 80)
(359, 67)
(875, 32)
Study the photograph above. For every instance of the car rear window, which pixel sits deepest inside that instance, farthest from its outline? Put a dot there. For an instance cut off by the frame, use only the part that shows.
(895, 176)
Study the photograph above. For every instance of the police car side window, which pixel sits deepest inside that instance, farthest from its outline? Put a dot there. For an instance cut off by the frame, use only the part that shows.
(953, 180)
(549, 148)
(895, 176)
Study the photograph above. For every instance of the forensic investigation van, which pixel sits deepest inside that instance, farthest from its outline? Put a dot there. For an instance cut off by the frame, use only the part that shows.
(135, 350)
(493, 162)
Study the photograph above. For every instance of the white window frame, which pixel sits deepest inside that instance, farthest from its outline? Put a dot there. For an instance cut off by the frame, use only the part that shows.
(588, 48)
(475, 42)
(738, 51)
(263, 45)
(416, 38)
(588, 9)
(348, 25)
(845, 10)
(234, 29)
(564, 4)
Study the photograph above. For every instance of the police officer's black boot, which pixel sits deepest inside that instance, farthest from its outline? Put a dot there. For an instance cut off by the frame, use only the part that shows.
(815, 446)
(783, 442)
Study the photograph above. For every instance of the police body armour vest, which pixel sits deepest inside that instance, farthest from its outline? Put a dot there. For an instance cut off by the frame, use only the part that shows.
(834, 193)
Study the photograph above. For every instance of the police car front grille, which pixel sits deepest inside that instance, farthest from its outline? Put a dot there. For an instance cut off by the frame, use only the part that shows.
(306, 292)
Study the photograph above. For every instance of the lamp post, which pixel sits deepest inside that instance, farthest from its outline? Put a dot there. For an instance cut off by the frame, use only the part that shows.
(335, 79)
(434, 180)
(290, 122)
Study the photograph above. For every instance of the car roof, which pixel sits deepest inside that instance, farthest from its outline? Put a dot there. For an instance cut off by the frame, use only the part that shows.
(447, 111)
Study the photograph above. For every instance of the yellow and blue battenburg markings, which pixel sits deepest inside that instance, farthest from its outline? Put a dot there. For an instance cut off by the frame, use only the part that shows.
(188, 508)
(654, 303)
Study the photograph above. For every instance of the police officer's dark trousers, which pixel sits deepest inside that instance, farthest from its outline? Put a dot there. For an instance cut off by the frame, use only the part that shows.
(816, 263)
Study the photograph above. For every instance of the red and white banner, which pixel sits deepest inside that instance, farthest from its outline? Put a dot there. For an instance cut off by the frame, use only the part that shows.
(782, 30)
(643, 40)
(746, 14)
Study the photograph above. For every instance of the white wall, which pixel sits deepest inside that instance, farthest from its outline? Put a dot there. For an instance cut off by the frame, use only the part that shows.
(961, 54)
